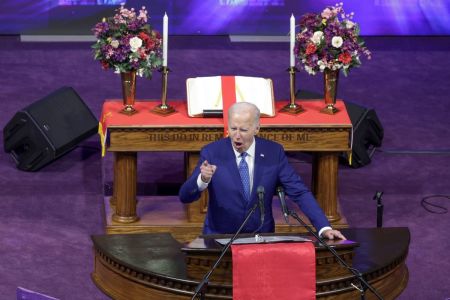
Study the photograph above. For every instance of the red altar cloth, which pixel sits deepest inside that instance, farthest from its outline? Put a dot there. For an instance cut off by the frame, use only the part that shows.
(111, 116)
(274, 271)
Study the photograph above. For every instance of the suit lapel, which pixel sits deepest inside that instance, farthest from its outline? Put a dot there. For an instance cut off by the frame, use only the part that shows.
(258, 166)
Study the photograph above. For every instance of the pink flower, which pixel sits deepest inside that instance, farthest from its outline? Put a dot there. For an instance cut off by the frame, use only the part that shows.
(125, 13)
(142, 14)
(142, 53)
(327, 13)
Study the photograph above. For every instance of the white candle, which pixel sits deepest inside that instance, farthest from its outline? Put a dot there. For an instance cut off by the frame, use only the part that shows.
(165, 38)
(292, 41)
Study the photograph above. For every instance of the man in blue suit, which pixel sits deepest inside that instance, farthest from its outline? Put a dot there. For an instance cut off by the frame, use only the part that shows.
(231, 169)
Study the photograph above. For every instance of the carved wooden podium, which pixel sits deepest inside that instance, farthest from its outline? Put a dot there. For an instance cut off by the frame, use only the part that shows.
(153, 266)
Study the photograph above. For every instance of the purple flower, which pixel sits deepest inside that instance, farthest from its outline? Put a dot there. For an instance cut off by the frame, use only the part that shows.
(119, 55)
(309, 20)
(134, 25)
(100, 29)
(135, 64)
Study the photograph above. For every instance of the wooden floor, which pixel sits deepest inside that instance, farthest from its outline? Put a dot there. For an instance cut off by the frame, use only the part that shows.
(167, 214)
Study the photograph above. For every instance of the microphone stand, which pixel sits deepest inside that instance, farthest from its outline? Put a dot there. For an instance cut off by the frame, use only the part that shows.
(364, 285)
(380, 207)
(201, 287)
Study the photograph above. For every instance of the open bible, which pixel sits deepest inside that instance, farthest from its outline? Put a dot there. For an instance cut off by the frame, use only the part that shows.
(207, 95)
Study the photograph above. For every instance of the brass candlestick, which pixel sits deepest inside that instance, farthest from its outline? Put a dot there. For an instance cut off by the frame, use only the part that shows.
(292, 107)
(164, 109)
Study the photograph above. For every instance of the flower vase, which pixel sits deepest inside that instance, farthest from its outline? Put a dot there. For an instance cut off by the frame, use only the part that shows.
(330, 90)
(128, 92)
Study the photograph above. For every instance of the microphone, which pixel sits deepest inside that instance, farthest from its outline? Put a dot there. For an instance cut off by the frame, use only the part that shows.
(260, 191)
(284, 209)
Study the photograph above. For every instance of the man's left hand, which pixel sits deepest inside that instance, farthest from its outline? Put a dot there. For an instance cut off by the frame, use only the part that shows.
(332, 234)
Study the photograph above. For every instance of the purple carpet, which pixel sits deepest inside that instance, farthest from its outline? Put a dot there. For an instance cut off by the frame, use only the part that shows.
(49, 215)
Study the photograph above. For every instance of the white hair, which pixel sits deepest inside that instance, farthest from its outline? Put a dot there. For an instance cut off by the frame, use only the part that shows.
(239, 107)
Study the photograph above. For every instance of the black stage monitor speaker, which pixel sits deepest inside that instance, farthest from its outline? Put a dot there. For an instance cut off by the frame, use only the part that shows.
(367, 130)
(367, 134)
(48, 129)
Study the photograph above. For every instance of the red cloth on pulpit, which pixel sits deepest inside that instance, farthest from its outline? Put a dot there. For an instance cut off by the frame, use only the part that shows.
(274, 271)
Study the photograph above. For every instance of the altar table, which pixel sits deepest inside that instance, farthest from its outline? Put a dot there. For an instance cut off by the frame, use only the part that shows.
(326, 136)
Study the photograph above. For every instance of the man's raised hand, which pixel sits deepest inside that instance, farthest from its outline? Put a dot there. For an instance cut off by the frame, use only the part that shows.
(207, 171)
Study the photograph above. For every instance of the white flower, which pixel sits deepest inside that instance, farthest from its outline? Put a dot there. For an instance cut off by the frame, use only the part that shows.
(135, 43)
(114, 43)
(335, 67)
(337, 41)
(317, 37)
(310, 70)
(349, 24)
(322, 65)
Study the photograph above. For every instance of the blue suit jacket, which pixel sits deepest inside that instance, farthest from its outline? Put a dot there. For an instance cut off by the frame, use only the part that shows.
(227, 207)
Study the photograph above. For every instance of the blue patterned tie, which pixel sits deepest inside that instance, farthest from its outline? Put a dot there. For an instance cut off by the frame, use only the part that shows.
(245, 176)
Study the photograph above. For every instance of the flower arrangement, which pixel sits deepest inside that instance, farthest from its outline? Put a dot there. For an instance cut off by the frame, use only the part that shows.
(329, 41)
(126, 42)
